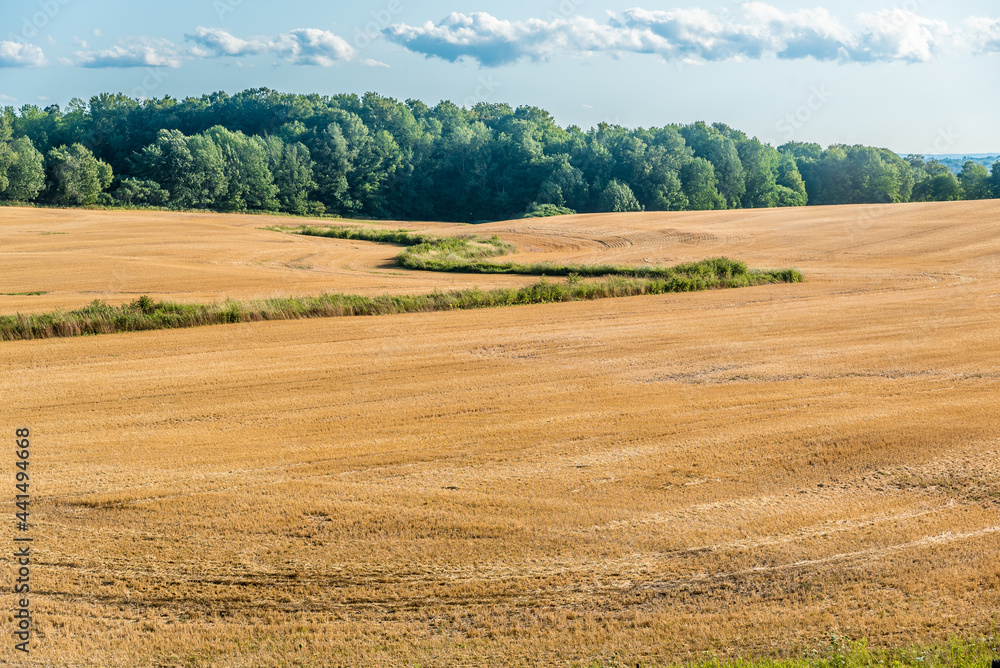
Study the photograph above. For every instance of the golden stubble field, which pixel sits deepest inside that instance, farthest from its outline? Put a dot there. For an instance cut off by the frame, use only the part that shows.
(637, 480)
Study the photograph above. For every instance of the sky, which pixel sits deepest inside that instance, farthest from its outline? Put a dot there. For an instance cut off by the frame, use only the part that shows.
(914, 76)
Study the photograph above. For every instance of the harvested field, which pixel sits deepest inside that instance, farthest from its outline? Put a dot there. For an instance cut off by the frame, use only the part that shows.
(620, 482)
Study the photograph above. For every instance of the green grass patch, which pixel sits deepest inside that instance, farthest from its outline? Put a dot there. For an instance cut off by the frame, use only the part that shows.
(398, 237)
(470, 247)
(146, 314)
(846, 653)
(23, 294)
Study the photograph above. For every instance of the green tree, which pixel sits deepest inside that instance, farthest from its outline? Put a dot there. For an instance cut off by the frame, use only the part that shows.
(207, 184)
(25, 177)
(75, 176)
(6, 160)
(168, 162)
(760, 168)
(790, 186)
(975, 181)
(654, 172)
(801, 150)
(710, 143)
(564, 186)
(191, 169)
(328, 148)
(250, 184)
(292, 168)
(940, 188)
(7, 121)
(132, 191)
(873, 177)
(935, 168)
(995, 180)
(699, 182)
(617, 197)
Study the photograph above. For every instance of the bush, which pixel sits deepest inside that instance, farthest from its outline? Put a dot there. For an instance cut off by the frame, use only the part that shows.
(139, 191)
(536, 210)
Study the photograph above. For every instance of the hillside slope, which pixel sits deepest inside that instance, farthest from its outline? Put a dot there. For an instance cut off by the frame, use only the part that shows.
(635, 480)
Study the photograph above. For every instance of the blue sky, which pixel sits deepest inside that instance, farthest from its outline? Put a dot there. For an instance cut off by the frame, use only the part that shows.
(910, 75)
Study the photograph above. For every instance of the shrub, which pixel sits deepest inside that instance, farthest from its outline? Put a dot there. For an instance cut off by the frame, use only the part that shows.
(536, 210)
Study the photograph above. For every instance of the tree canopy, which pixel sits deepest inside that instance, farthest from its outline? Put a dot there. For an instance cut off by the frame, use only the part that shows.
(378, 157)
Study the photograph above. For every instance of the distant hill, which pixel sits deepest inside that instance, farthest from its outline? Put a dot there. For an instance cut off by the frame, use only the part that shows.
(955, 161)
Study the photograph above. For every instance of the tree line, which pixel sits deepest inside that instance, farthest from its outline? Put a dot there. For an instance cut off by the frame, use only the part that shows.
(372, 156)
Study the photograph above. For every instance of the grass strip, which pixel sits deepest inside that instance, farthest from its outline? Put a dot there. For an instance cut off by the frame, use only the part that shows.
(465, 247)
(846, 653)
(146, 314)
(730, 269)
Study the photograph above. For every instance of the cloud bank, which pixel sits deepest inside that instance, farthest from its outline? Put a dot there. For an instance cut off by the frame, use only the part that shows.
(755, 30)
(308, 46)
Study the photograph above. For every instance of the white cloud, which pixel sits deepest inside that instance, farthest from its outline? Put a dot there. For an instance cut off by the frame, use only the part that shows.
(982, 34)
(307, 46)
(493, 41)
(895, 34)
(221, 43)
(7, 98)
(697, 36)
(134, 52)
(311, 46)
(15, 54)
(368, 62)
(754, 30)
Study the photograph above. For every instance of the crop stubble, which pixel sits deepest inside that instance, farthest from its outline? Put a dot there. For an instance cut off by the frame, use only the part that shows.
(741, 471)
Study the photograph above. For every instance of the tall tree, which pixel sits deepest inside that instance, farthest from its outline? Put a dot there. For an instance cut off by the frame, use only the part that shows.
(791, 187)
(250, 183)
(25, 177)
(617, 197)
(75, 176)
(943, 187)
(700, 185)
(975, 181)
(292, 168)
(6, 160)
(712, 145)
(760, 168)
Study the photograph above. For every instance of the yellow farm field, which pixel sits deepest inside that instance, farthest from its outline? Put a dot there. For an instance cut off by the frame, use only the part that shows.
(620, 482)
